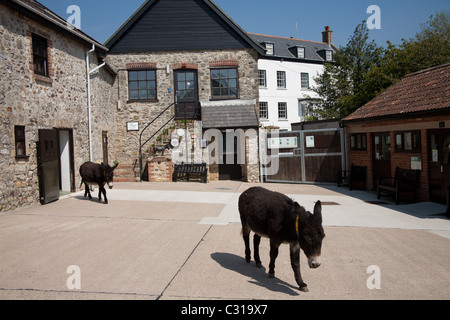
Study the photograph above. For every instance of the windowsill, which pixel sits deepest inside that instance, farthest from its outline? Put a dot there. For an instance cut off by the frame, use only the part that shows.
(143, 101)
(42, 78)
(22, 157)
(223, 98)
(283, 120)
(281, 88)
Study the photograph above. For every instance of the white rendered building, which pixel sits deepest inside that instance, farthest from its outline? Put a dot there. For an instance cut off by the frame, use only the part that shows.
(286, 76)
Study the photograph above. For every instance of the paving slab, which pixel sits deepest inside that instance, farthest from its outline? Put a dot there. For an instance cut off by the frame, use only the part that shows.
(217, 269)
(182, 241)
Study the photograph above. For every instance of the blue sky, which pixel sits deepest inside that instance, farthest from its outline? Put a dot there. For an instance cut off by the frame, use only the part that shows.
(399, 18)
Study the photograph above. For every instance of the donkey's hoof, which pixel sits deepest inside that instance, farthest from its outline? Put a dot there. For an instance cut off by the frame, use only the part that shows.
(258, 264)
(271, 275)
(303, 288)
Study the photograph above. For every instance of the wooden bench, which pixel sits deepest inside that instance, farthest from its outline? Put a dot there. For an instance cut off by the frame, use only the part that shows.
(404, 181)
(356, 174)
(188, 170)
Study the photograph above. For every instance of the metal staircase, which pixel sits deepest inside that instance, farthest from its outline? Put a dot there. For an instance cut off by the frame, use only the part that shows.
(141, 145)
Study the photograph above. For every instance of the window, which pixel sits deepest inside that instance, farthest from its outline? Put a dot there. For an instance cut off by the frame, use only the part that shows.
(282, 110)
(301, 52)
(224, 83)
(40, 55)
(281, 79)
(19, 137)
(407, 141)
(269, 48)
(142, 85)
(263, 111)
(262, 78)
(329, 55)
(304, 78)
(358, 141)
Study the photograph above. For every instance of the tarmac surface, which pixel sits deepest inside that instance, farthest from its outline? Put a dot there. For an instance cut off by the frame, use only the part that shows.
(166, 241)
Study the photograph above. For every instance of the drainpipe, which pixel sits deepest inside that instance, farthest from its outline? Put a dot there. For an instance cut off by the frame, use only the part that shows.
(88, 76)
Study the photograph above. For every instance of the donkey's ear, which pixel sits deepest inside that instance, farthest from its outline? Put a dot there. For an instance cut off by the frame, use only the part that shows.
(318, 212)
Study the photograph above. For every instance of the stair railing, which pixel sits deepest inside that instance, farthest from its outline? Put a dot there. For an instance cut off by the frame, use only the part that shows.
(142, 132)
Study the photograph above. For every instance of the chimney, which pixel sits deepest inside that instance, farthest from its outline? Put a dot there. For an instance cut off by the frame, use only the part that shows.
(327, 35)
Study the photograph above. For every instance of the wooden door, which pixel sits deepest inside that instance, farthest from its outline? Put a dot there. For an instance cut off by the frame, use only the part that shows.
(439, 166)
(48, 166)
(381, 156)
(186, 95)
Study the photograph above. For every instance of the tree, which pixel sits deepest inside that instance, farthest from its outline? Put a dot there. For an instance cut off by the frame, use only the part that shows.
(342, 84)
(362, 70)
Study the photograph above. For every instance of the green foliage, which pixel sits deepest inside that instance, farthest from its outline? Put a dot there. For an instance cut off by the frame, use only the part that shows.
(362, 70)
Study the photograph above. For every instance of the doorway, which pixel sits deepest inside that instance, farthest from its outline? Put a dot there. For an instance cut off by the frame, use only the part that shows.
(439, 165)
(65, 161)
(186, 93)
(381, 156)
(230, 168)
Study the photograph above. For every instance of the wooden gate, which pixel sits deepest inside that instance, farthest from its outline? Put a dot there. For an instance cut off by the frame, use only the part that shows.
(307, 156)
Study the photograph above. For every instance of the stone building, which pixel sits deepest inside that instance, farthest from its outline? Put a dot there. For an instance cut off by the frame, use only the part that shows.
(44, 104)
(173, 62)
(189, 58)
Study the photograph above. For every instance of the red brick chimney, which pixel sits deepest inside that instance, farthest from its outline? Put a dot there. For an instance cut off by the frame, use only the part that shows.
(327, 35)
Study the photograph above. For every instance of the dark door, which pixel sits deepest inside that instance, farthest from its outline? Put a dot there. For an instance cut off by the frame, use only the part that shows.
(381, 156)
(230, 169)
(439, 155)
(48, 166)
(186, 92)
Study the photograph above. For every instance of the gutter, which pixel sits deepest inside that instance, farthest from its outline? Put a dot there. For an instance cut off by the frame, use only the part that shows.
(88, 80)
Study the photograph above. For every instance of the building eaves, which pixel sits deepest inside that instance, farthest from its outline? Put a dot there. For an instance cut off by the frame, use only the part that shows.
(36, 11)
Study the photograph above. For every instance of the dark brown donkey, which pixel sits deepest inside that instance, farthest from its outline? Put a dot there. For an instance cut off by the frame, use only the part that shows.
(273, 215)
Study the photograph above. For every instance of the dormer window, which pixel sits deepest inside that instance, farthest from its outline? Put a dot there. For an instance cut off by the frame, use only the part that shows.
(269, 48)
(329, 55)
(301, 52)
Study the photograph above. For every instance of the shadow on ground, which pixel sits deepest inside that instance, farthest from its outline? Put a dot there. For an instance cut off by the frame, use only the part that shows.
(258, 276)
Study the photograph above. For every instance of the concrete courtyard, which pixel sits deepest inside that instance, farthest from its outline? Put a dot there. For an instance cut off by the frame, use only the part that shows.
(170, 241)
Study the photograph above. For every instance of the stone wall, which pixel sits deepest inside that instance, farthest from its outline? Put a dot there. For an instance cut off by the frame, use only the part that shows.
(37, 102)
(127, 142)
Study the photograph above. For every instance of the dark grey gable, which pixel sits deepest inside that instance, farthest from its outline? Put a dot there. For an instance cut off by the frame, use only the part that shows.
(171, 25)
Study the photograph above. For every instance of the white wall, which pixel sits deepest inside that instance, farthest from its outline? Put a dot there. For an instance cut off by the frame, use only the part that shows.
(291, 95)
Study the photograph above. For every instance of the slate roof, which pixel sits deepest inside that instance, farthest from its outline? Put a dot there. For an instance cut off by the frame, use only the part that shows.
(229, 114)
(423, 91)
(37, 11)
(313, 49)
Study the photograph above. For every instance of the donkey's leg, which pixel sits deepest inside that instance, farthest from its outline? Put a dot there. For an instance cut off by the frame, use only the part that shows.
(295, 263)
(274, 245)
(246, 236)
(256, 241)
(87, 191)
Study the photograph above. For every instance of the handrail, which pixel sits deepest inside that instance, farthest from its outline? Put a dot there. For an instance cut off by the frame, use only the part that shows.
(142, 132)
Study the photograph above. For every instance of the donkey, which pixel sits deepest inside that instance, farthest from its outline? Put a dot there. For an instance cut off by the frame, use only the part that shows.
(275, 216)
(100, 174)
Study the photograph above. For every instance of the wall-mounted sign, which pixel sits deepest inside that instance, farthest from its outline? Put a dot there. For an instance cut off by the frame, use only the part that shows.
(310, 141)
(283, 143)
(416, 163)
(133, 126)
